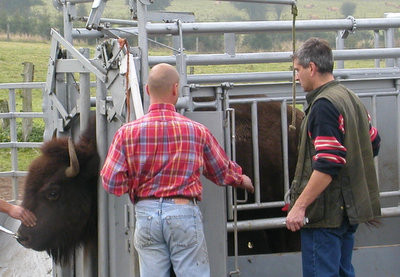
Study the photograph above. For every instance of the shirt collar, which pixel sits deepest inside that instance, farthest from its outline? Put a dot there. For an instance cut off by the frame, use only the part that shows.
(314, 93)
(162, 106)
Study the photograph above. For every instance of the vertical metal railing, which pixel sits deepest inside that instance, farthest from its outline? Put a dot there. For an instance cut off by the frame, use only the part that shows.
(14, 173)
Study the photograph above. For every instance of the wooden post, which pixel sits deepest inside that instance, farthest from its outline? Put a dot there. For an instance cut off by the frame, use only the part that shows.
(8, 30)
(4, 109)
(27, 99)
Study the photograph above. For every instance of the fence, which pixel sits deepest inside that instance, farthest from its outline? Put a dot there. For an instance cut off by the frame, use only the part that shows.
(14, 144)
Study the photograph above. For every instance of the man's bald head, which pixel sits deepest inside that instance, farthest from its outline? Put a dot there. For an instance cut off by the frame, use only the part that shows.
(163, 78)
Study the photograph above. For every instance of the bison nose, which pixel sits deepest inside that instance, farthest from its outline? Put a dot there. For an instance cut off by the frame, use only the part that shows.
(21, 239)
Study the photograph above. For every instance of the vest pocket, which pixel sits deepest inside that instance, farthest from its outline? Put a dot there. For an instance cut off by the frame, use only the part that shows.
(316, 211)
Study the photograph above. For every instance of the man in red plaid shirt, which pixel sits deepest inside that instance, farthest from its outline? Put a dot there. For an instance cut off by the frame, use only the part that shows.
(158, 160)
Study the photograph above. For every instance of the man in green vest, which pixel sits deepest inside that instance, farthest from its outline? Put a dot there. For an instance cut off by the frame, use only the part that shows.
(335, 187)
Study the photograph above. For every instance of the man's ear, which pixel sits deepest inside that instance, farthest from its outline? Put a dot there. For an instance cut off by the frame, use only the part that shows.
(175, 89)
(314, 68)
(147, 89)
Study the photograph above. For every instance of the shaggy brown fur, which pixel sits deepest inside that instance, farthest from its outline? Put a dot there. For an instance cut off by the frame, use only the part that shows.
(66, 208)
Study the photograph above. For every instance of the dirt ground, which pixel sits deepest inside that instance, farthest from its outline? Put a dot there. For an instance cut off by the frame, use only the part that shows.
(6, 188)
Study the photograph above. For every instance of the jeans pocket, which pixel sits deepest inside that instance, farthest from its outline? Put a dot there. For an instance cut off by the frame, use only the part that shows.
(142, 236)
(183, 230)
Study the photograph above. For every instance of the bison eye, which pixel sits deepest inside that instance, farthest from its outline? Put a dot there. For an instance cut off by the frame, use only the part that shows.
(52, 195)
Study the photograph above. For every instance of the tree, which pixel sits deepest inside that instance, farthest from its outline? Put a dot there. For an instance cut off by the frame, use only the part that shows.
(278, 10)
(17, 8)
(348, 8)
(254, 10)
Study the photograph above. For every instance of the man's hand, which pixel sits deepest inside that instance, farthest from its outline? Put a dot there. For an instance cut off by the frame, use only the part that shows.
(20, 213)
(246, 184)
(295, 219)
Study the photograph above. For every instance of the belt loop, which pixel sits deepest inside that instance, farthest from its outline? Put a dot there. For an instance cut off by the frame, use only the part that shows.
(160, 206)
(195, 201)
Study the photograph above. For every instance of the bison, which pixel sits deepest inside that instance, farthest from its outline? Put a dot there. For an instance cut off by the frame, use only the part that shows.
(271, 174)
(61, 189)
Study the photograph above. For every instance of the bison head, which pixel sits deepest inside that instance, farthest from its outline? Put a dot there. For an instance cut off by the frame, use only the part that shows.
(61, 190)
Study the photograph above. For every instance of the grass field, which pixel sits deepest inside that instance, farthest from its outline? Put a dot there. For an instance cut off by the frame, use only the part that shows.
(211, 10)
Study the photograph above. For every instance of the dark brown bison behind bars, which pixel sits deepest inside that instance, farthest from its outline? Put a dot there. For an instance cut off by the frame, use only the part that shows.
(61, 189)
(271, 174)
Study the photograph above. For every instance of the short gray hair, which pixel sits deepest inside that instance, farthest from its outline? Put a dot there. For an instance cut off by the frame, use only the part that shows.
(318, 51)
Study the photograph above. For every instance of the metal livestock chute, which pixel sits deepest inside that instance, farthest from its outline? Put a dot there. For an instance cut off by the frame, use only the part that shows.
(121, 71)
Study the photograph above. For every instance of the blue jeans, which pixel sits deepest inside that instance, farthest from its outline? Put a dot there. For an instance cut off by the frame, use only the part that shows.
(168, 233)
(327, 252)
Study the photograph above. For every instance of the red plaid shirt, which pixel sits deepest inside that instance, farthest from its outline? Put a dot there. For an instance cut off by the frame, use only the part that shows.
(161, 155)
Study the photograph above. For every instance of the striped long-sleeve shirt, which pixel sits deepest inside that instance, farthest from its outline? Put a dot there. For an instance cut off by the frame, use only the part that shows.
(326, 130)
(162, 154)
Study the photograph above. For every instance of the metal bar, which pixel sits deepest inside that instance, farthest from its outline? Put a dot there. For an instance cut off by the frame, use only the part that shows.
(256, 158)
(263, 205)
(116, 21)
(374, 73)
(102, 146)
(375, 124)
(398, 130)
(288, 98)
(274, 57)
(339, 46)
(21, 115)
(273, 26)
(389, 194)
(389, 42)
(60, 107)
(100, 73)
(32, 85)
(376, 45)
(143, 45)
(279, 204)
(250, 26)
(258, 224)
(16, 173)
(16, 144)
(279, 222)
(84, 95)
(235, 232)
(285, 151)
(13, 139)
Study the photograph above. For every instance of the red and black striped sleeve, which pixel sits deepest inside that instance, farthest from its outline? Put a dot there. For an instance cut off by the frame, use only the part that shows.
(326, 130)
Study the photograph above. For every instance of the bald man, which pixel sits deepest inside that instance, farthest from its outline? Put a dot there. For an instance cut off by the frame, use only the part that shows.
(158, 160)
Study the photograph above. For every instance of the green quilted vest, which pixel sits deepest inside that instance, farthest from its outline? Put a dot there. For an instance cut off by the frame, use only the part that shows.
(354, 192)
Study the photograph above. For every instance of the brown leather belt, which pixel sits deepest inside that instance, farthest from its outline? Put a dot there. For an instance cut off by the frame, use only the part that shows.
(180, 200)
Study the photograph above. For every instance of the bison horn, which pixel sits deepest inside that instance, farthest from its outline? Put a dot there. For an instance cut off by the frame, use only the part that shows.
(73, 168)
(54, 136)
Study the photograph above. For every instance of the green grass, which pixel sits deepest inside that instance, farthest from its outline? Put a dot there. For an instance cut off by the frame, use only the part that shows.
(14, 53)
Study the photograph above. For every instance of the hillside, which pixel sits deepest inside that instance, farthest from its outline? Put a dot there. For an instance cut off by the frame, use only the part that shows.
(210, 10)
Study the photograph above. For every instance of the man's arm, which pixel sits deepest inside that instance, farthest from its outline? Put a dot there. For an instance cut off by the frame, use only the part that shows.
(318, 182)
(220, 169)
(114, 171)
(18, 212)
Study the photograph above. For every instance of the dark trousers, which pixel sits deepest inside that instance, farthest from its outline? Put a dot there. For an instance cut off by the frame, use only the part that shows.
(327, 252)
